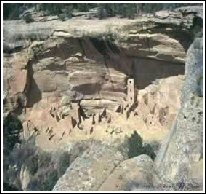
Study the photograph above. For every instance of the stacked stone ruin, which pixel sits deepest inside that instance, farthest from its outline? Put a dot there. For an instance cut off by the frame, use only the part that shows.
(127, 105)
(77, 116)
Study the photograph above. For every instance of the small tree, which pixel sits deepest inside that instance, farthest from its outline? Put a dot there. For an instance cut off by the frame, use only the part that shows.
(136, 148)
(12, 127)
(131, 11)
(62, 17)
(147, 149)
(135, 145)
(64, 162)
(68, 11)
(102, 13)
(28, 18)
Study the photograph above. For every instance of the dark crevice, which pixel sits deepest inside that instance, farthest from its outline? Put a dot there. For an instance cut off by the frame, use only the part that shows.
(82, 47)
(113, 47)
(87, 89)
(56, 67)
(185, 37)
(9, 49)
(100, 45)
(32, 92)
(146, 71)
(9, 187)
(143, 69)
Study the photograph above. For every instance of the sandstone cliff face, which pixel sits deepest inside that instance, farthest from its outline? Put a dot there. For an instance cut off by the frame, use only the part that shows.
(57, 61)
(56, 64)
(182, 151)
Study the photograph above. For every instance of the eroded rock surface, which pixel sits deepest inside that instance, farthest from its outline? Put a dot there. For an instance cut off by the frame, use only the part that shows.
(59, 59)
(123, 178)
(183, 148)
(89, 171)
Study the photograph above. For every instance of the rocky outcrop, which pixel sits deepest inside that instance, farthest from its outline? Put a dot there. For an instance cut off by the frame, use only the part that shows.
(15, 79)
(53, 64)
(132, 174)
(24, 177)
(196, 11)
(182, 150)
(89, 171)
(60, 60)
(154, 46)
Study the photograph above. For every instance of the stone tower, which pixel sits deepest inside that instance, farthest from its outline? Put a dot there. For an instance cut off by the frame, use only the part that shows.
(131, 94)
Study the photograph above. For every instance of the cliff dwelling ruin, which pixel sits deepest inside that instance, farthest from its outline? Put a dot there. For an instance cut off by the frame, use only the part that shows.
(106, 107)
(96, 86)
(78, 87)
(103, 96)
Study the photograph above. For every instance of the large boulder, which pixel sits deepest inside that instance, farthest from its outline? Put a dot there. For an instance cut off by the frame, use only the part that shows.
(90, 170)
(183, 150)
(132, 174)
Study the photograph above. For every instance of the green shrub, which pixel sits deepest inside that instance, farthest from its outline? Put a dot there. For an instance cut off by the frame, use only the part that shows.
(68, 11)
(147, 149)
(64, 162)
(135, 145)
(48, 180)
(44, 159)
(32, 164)
(12, 126)
(62, 17)
(28, 18)
(8, 187)
(102, 12)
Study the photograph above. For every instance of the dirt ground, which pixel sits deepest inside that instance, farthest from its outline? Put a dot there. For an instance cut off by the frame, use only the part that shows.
(62, 133)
